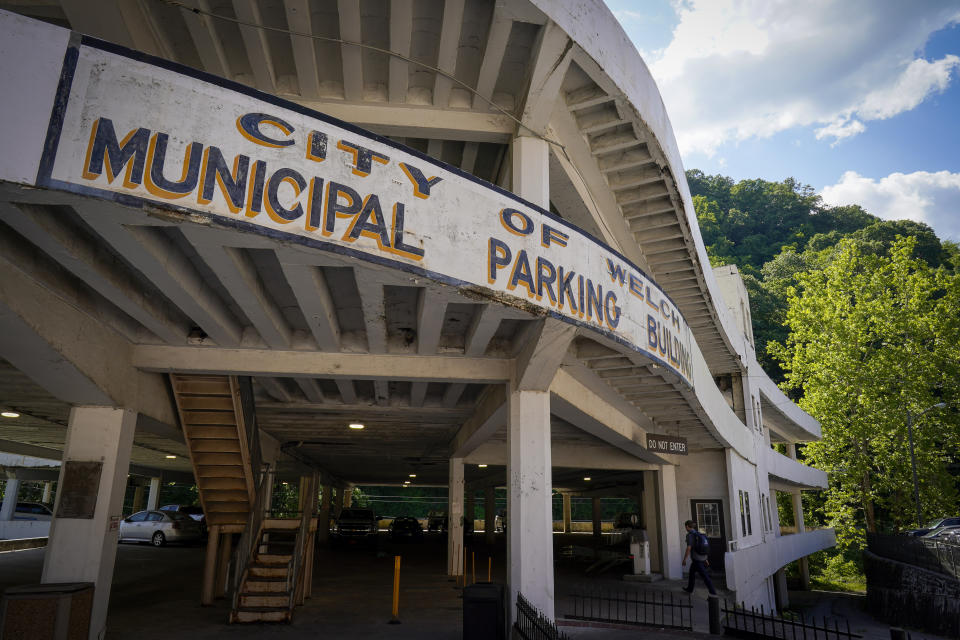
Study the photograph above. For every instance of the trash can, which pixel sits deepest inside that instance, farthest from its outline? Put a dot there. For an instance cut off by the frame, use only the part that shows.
(47, 611)
(483, 614)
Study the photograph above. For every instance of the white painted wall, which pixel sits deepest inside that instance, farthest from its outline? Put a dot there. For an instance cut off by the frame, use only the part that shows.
(702, 476)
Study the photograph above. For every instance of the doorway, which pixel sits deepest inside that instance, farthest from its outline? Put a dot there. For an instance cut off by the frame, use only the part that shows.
(708, 514)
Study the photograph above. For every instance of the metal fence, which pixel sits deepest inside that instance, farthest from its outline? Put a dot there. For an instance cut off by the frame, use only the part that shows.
(756, 625)
(662, 609)
(531, 624)
(927, 553)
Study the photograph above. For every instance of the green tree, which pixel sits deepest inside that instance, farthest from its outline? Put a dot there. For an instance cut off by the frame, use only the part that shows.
(874, 336)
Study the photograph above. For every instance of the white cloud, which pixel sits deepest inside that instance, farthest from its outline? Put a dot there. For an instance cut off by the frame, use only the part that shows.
(933, 198)
(737, 69)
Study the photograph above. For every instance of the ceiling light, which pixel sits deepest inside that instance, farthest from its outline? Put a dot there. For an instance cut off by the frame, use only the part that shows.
(10, 414)
(482, 466)
(356, 425)
(413, 475)
(586, 478)
(171, 457)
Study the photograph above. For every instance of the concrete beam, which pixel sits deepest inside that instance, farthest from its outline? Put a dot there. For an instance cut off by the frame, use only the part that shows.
(490, 415)
(540, 358)
(266, 362)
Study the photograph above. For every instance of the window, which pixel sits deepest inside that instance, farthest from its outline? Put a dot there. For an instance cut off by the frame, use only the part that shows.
(769, 513)
(746, 501)
(154, 516)
(708, 519)
(138, 517)
(743, 520)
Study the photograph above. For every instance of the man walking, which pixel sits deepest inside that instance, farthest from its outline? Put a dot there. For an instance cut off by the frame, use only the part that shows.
(697, 549)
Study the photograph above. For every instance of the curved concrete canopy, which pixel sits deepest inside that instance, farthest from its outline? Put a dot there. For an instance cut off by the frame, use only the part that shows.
(147, 134)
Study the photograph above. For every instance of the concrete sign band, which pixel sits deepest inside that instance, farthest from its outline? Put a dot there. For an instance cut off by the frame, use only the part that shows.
(137, 131)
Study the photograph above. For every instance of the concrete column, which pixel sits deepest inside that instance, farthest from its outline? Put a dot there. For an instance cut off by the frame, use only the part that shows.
(223, 564)
(11, 490)
(47, 492)
(780, 590)
(455, 518)
(651, 519)
(567, 518)
(347, 498)
(597, 523)
(323, 521)
(340, 502)
(84, 550)
(529, 502)
(531, 170)
(670, 543)
(804, 564)
(154, 496)
(138, 498)
(490, 515)
(469, 510)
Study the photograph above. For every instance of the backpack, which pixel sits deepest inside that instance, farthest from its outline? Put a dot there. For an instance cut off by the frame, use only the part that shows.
(702, 545)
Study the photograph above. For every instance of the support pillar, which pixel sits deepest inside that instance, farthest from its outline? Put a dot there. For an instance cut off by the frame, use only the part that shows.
(47, 492)
(11, 490)
(780, 590)
(339, 503)
(138, 498)
(596, 512)
(208, 586)
(223, 564)
(651, 519)
(567, 511)
(530, 502)
(797, 499)
(469, 511)
(670, 544)
(323, 520)
(455, 540)
(84, 550)
(347, 498)
(490, 515)
(154, 496)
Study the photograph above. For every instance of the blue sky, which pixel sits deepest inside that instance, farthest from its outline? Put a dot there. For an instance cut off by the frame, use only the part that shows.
(858, 98)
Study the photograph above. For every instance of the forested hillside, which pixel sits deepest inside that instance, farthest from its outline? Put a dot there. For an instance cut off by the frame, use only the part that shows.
(858, 319)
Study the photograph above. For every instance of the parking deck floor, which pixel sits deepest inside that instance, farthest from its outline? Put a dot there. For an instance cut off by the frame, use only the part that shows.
(156, 595)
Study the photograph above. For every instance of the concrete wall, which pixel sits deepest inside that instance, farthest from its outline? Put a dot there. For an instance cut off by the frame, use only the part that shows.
(748, 569)
(795, 472)
(703, 476)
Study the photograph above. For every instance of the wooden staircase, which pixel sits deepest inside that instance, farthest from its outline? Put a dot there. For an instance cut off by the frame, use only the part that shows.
(268, 590)
(212, 419)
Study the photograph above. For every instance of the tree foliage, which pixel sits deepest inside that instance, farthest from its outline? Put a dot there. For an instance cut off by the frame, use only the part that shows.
(874, 337)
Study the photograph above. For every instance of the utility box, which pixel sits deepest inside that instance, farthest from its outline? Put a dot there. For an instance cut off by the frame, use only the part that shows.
(47, 612)
(484, 617)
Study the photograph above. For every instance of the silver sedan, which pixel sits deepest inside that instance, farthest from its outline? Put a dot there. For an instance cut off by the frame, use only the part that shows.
(159, 528)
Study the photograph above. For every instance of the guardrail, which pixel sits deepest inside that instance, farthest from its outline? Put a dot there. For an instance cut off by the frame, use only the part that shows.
(927, 553)
(531, 624)
(663, 609)
(757, 625)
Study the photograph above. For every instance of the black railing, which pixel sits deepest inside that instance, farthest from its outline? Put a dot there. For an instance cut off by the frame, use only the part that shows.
(757, 625)
(927, 553)
(663, 609)
(531, 624)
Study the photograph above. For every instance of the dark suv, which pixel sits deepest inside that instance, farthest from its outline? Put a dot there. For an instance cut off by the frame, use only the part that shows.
(356, 525)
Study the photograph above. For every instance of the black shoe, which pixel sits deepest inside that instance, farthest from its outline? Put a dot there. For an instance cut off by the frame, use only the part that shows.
(688, 590)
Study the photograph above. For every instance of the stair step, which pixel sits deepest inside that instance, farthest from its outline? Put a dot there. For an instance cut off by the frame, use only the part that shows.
(261, 614)
(233, 506)
(263, 584)
(226, 518)
(219, 432)
(214, 458)
(274, 571)
(222, 484)
(281, 524)
(273, 558)
(211, 418)
(219, 386)
(265, 599)
(211, 495)
(210, 445)
(208, 403)
(218, 470)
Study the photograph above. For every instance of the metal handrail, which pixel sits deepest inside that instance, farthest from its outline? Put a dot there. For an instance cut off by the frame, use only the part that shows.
(244, 553)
